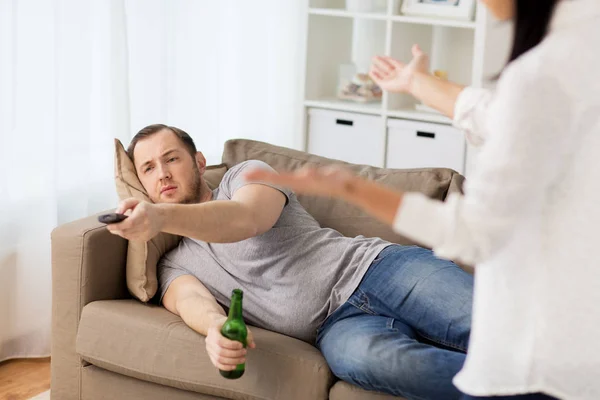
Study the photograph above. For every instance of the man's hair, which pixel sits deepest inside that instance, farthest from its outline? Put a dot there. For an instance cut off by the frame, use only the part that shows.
(150, 130)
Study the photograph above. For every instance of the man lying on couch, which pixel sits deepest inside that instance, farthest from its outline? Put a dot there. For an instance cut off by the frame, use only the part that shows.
(390, 318)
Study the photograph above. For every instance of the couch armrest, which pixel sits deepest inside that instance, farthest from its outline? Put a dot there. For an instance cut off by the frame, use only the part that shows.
(88, 264)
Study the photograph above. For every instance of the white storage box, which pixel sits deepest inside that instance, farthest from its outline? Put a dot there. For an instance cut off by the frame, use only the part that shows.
(423, 145)
(350, 137)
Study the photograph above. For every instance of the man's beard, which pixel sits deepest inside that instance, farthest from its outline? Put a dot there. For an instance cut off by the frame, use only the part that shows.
(195, 194)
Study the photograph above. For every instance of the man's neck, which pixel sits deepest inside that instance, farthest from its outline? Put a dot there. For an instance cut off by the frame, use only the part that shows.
(205, 193)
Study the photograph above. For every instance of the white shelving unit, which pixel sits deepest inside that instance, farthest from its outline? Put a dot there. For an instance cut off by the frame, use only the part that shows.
(337, 35)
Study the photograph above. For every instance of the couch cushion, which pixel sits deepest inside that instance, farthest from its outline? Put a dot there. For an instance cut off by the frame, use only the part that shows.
(436, 183)
(345, 391)
(149, 343)
(142, 257)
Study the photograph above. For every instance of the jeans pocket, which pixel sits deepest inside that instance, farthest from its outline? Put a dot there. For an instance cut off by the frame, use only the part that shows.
(360, 300)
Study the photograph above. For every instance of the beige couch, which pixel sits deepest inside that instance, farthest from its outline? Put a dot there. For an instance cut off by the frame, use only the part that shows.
(106, 345)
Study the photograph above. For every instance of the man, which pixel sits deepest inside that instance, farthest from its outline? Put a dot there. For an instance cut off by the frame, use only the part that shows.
(386, 317)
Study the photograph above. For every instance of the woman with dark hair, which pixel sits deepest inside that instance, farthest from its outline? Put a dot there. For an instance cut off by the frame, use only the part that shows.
(529, 217)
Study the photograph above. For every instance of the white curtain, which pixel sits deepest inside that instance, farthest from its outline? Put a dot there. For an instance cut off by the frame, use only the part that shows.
(74, 74)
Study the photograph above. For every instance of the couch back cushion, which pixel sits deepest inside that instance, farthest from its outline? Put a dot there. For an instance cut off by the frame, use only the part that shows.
(142, 257)
(436, 183)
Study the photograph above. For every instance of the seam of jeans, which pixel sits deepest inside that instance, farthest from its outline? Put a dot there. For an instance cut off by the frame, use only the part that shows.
(363, 308)
(379, 388)
(443, 342)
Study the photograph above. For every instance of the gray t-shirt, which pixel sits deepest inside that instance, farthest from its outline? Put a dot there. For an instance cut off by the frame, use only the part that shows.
(293, 276)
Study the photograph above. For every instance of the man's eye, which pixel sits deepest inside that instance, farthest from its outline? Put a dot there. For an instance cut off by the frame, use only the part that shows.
(147, 169)
(172, 159)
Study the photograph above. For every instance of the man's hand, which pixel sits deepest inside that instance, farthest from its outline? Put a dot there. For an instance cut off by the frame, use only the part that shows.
(225, 354)
(396, 77)
(144, 222)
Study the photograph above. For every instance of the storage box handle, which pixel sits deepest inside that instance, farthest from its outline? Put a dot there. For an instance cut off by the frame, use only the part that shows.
(428, 135)
(344, 122)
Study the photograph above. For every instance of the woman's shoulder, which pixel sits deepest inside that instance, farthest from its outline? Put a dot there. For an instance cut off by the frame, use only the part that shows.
(566, 56)
(562, 61)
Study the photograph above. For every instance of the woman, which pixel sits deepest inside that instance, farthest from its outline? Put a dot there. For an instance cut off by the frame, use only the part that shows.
(529, 216)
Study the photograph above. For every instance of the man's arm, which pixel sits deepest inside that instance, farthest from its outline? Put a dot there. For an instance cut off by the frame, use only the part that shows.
(191, 300)
(252, 210)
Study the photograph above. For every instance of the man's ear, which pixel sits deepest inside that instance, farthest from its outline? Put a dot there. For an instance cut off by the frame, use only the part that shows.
(200, 162)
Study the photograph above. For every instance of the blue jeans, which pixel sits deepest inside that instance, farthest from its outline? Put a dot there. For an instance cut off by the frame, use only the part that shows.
(405, 330)
(534, 396)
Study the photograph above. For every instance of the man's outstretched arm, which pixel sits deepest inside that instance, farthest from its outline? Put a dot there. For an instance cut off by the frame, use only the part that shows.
(252, 210)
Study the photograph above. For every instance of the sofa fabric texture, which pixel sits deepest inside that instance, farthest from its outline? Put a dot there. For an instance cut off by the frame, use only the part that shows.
(107, 344)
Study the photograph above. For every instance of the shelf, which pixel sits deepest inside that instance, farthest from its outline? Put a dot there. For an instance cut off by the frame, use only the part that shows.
(435, 22)
(331, 12)
(412, 114)
(341, 105)
(346, 14)
(376, 109)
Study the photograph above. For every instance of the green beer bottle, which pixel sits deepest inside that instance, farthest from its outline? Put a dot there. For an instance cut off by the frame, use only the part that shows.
(235, 329)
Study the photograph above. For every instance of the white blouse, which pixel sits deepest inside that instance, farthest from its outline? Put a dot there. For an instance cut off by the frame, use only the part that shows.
(530, 217)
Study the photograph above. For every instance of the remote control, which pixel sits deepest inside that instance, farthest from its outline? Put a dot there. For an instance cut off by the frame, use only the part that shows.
(112, 218)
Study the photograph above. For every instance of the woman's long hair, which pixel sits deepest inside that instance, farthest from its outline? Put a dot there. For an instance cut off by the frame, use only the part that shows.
(532, 22)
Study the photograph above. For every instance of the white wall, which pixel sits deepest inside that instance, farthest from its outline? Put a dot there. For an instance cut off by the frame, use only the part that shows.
(75, 74)
(218, 70)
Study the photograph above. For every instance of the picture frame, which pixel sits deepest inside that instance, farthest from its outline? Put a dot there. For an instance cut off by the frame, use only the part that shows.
(463, 10)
